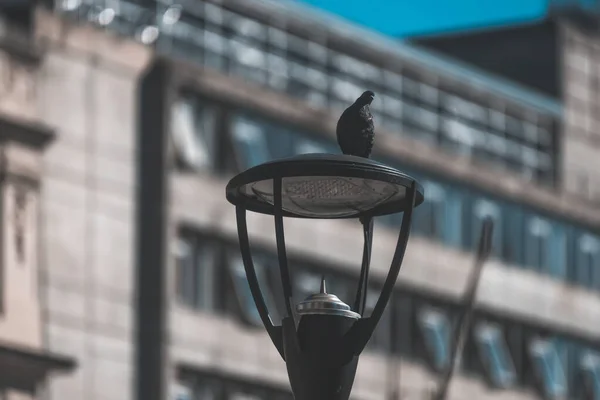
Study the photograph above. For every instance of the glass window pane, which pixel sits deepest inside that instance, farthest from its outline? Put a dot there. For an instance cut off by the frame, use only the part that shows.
(245, 396)
(393, 81)
(557, 266)
(242, 289)
(588, 261)
(247, 28)
(549, 368)
(305, 284)
(213, 13)
(278, 72)
(205, 259)
(184, 255)
(441, 215)
(463, 137)
(590, 366)
(495, 355)
(345, 90)
(184, 391)
(435, 328)
(278, 38)
(307, 146)
(195, 263)
(421, 117)
(430, 216)
(429, 94)
(410, 88)
(248, 61)
(249, 138)
(193, 132)
(392, 106)
(537, 238)
(404, 325)
(381, 339)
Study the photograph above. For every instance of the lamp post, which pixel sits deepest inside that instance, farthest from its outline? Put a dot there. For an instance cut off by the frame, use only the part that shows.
(321, 338)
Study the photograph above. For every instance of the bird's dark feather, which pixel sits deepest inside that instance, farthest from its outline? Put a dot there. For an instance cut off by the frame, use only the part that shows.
(356, 131)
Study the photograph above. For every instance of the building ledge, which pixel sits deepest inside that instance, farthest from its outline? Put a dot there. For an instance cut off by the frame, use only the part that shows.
(36, 135)
(18, 42)
(25, 368)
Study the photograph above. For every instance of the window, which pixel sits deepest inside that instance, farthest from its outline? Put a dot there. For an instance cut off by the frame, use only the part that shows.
(210, 387)
(249, 61)
(251, 143)
(195, 263)
(345, 90)
(193, 133)
(381, 339)
(545, 247)
(185, 38)
(549, 368)
(440, 216)
(430, 216)
(247, 28)
(242, 289)
(183, 391)
(306, 146)
(215, 48)
(498, 120)
(306, 283)
(236, 394)
(428, 94)
(461, 138)
(421, 117)
(587, 261)
(435, 328)
(536, 248)
(392, 105)
(590, 368)
(465, 109)
(393, 81)
(483, 209)
(495, 355)
(278, 72)
(404, 332)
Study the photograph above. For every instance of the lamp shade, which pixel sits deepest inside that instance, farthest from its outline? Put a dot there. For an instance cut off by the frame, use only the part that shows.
(324, 186)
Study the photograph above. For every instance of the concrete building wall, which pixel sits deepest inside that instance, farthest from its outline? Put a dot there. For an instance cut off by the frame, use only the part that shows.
(86, 90)
(19, 208)
(581, 133)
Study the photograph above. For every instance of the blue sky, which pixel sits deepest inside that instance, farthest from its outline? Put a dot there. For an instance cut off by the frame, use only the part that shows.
(404, 18)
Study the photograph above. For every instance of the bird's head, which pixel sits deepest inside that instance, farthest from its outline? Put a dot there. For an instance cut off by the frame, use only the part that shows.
(365, 98)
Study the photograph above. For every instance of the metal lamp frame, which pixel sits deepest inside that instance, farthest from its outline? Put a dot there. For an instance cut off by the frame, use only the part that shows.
(356, 338)
(318, 165)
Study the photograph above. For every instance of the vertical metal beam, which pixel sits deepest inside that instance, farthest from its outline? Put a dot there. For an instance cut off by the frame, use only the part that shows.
(464, 321)
(151, 234)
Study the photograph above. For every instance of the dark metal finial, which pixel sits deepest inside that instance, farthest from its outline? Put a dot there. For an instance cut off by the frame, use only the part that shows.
(323, 285)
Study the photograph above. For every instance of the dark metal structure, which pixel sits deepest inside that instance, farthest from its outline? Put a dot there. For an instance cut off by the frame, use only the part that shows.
(321, 338)
(464, 321)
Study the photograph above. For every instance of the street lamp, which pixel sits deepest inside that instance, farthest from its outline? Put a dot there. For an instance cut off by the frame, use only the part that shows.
(321, 338)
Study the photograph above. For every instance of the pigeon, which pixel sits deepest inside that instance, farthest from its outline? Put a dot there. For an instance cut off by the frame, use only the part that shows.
(355, 129)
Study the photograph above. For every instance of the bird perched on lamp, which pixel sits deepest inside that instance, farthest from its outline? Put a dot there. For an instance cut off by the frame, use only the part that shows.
(355, 128)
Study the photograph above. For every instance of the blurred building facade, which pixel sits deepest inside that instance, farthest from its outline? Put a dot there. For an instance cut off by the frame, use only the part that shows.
(152, 107)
